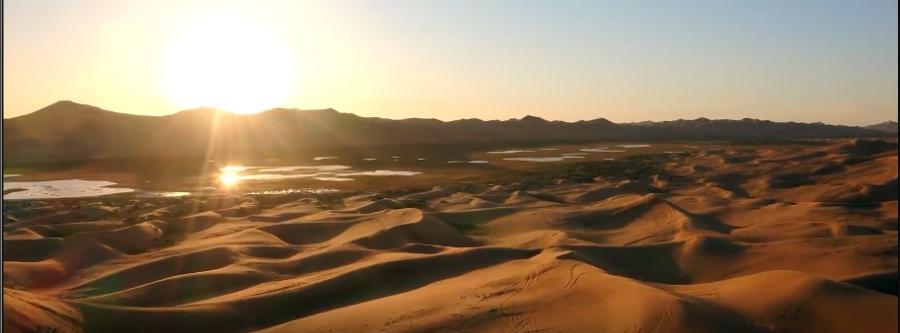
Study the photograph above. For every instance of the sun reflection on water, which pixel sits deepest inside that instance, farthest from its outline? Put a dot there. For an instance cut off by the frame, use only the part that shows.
(229, 178)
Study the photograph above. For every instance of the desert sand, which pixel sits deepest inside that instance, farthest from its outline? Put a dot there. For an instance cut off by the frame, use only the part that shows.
(770, 240)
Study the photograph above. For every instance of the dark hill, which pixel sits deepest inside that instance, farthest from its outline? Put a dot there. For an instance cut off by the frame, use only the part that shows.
(68, 131)
(887, 126)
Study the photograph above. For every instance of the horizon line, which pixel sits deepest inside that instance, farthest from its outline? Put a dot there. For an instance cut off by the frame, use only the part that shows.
(417, 118)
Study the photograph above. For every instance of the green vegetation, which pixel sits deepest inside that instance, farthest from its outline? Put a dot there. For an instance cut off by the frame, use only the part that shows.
(468, 229)
(167, 241)
(631, 168)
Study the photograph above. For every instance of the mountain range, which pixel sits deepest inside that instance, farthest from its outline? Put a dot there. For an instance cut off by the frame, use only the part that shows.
(887, 126)
(69, 131)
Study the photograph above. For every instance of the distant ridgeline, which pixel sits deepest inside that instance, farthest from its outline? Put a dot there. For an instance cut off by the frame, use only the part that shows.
(67, 132)
(888, 126)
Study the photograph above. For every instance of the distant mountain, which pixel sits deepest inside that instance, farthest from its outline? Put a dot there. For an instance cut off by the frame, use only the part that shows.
(68, 131)
(887, 126)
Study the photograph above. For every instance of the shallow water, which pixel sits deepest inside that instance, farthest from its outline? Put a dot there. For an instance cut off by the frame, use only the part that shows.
(343, 177)
(329, 176)
(161, 194)
(510, 151)
(542, 159)
(65, 188)
(233, 168)
(306, 168)
(370, 159)
(638, 145)
(468, 162)
(12, 175)
(380, 173)
(322, 158)
(78, 188)
(294, 190)
(333, 179)
(601, 150)
(277, 176)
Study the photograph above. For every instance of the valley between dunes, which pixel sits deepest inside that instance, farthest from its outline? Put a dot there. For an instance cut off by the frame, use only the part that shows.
(769, 240)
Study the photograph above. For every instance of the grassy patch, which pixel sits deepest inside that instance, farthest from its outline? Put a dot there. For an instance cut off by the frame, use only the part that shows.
(61, 233)
(167, 241)
(632, 167)
(468, 229)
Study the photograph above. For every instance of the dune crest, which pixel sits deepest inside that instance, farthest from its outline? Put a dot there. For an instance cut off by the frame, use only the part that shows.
(778, 240)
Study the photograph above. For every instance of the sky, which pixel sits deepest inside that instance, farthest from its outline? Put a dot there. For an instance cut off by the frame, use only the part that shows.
(800, 60)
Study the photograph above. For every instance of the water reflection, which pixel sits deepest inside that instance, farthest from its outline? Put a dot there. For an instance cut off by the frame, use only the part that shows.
(638, 145)
(381, 173)
(294, 190)
(233, 169)
(229, 178)
(306, 167)
(277, 176)
(328, 176)
(78, 188)
(510, 151)
(333, 179)
(11, 175)
(468, 162)
(322, 158)
(66, 188)
(143, 194)
(542, 159)
(601, 150)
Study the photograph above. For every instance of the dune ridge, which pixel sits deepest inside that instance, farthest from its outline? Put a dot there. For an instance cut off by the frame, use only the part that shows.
(776, 240)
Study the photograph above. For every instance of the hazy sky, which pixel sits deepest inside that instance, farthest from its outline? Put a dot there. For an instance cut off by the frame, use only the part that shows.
(801, 60)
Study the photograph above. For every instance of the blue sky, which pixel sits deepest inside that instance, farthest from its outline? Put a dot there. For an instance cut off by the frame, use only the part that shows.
(829, 61)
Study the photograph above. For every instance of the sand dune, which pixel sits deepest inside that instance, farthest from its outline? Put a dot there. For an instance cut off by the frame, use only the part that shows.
(777, 240)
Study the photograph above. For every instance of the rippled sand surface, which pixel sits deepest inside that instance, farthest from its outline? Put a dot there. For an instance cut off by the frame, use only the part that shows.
(757, 241)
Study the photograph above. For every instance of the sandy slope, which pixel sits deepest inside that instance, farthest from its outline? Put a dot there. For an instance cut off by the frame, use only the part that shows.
(763, 241)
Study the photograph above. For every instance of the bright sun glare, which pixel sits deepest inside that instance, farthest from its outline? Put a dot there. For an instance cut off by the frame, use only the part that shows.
(229, 178)
(230, 63)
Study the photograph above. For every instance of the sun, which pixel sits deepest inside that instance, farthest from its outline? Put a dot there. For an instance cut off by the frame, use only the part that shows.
(229, 178)
(231, 63)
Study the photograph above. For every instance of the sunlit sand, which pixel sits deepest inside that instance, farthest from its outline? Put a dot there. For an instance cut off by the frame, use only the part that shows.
(450, 166)
(765, 240)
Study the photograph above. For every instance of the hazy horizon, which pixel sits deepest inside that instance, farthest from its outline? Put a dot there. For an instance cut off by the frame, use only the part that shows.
(833, 62)
(445, 120)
